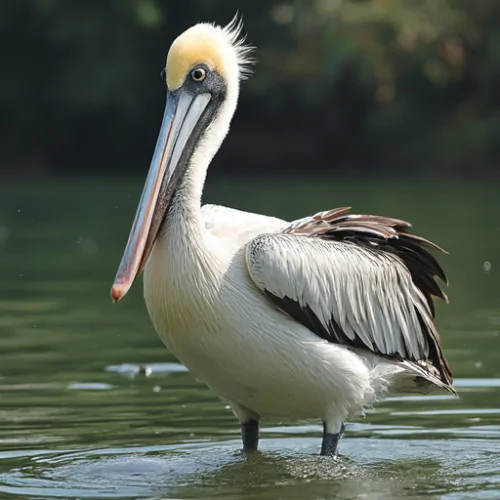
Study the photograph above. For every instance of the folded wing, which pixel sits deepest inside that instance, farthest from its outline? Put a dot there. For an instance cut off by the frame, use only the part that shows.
(360, 281)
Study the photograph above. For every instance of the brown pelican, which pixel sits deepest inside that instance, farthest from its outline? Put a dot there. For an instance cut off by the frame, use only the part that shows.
(317, 318)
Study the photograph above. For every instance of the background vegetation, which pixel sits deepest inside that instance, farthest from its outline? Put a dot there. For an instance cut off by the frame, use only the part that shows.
(366, 85)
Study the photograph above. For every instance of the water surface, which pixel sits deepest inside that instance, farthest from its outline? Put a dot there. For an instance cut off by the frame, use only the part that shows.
(77, 420)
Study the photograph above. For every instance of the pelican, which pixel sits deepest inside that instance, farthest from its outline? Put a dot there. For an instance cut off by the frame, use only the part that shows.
(312, 319)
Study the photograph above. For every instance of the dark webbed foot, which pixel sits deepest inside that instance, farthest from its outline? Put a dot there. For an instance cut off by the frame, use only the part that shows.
(331, 440)
(250, 435)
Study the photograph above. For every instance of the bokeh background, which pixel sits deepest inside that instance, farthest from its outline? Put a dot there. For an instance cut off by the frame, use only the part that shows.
(389, 106)
(351, 86)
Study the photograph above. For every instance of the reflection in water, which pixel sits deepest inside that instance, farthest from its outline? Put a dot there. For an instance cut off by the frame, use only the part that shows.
(92, 405)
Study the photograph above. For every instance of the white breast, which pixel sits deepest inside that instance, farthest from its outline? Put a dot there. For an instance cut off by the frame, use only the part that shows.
(213, 319)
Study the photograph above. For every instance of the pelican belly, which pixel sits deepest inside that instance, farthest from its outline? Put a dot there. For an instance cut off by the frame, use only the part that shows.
(222, 329)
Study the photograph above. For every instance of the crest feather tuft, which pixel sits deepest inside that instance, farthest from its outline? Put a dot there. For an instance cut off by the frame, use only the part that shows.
(233, 33)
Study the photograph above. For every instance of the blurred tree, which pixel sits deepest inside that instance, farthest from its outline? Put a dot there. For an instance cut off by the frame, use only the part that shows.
(359, 84)
(427, 71)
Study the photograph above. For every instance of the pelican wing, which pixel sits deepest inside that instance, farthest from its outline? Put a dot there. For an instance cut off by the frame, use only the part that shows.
(360, 281)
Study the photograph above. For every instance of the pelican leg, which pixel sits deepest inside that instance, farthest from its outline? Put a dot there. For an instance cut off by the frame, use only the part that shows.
(249, 421)
(250, 435)
(331, 439)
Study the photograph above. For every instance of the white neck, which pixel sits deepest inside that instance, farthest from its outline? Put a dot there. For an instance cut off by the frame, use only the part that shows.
(186, 259)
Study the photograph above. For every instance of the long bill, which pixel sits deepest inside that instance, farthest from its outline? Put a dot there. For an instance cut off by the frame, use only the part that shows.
(182, 115)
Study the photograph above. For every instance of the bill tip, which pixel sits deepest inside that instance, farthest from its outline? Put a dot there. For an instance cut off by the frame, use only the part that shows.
(117, 292)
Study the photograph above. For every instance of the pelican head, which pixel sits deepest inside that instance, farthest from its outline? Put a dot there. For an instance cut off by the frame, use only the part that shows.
(203, 70)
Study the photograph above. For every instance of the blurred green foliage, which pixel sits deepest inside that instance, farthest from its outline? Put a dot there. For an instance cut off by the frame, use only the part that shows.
(399, 85)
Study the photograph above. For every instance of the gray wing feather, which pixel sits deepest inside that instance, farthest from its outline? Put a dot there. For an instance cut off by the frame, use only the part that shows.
(355, 295)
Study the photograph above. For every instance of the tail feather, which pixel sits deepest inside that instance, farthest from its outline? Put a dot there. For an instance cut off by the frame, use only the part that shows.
(405, 377)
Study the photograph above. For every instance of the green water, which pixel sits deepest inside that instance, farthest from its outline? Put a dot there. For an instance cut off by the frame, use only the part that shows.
(77, 421)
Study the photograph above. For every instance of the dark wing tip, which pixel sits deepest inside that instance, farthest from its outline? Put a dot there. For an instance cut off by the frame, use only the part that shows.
(424, 241)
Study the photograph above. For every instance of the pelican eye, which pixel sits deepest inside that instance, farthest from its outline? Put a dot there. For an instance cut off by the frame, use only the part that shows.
(198, 74)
